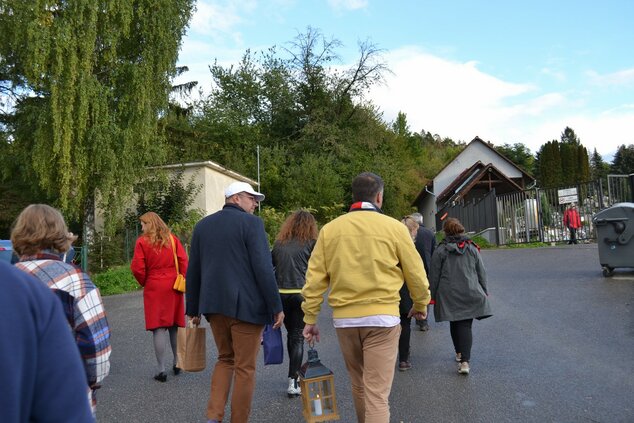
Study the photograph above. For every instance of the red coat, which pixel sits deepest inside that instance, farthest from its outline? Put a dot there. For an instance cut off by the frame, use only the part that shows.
(155, 271)
(572, 219)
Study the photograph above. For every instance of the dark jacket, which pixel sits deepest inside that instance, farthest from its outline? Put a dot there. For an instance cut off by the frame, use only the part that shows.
(230, 270)
(41, 373)
(290, 260)
(458, 281)
(425, 245)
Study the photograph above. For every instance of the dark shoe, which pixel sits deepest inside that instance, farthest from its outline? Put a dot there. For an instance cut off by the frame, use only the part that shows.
(176, 370)
(161, 377)
(214, 421)
(404, 365)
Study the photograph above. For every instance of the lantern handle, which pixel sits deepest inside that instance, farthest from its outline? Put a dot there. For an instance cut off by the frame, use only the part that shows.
(311, 344)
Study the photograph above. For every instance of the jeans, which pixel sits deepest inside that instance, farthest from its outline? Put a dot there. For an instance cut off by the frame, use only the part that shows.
(370, 354)
(238, 344)
(462, 338)
(294, 324)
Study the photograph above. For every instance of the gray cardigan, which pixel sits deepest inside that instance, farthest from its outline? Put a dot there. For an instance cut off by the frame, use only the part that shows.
(458, 281)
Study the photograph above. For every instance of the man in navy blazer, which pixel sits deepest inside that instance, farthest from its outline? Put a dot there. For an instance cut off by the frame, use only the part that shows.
(230, 280)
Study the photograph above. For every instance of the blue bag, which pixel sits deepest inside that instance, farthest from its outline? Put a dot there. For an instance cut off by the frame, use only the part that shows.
(272, 345)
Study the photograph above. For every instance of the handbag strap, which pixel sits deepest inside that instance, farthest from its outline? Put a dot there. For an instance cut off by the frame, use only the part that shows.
(174, 251)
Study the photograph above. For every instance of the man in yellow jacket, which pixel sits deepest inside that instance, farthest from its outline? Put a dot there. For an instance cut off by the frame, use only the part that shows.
(363, 257)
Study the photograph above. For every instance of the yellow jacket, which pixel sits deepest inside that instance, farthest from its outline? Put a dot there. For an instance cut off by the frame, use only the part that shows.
(363, 257)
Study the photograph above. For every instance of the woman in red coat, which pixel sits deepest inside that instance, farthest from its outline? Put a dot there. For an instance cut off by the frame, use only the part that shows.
(154, 268)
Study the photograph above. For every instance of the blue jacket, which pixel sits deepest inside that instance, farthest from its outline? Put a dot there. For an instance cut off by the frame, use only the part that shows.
(41, 374)
(230, 269)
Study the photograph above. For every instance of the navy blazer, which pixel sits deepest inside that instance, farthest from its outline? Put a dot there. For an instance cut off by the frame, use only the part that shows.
(230, 270)
(425, 245)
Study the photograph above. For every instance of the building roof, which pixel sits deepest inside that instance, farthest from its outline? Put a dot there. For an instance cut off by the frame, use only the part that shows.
(478, 175)
(428, 188)
(210, 165)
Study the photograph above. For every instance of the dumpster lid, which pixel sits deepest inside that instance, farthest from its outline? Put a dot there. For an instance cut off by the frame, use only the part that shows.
(617, 212)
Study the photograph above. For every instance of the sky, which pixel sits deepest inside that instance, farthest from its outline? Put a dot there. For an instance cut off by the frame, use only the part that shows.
(508, 71)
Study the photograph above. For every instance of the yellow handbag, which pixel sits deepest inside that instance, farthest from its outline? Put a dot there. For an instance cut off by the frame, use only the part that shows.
(179, 283)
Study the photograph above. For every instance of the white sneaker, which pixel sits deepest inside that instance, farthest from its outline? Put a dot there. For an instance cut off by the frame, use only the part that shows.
(464, 368)
(294, 390)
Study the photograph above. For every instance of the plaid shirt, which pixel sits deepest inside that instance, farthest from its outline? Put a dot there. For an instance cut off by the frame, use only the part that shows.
(83, 307)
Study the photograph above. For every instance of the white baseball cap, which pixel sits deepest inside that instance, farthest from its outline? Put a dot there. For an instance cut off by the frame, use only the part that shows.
(238, 187)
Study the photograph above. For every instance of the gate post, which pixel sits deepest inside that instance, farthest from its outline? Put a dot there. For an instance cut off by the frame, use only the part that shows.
(496, 220)
(631, 178)
(540, 220)
(601, 204)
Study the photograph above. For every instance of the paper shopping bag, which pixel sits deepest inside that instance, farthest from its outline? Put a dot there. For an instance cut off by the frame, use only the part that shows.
(191, 351)
(272, 345)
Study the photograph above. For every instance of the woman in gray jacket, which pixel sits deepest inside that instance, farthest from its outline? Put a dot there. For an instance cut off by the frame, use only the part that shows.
(459, 288)
(291, 251)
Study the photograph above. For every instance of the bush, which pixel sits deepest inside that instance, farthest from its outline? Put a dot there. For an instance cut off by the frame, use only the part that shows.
(116, 280)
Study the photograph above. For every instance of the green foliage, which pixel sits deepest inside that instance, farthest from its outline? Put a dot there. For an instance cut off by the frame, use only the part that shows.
(519, 154)
(623, 162)
(116, 280)
(547, 211)
(166, 194)
(562, 163)
(273, 220)
(598, 168)
(91, 78)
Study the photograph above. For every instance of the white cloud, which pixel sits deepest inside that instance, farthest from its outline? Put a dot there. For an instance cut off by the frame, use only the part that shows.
(621, 78)
(458, 100)
(559, 76)
(348, 4)
(219, 20)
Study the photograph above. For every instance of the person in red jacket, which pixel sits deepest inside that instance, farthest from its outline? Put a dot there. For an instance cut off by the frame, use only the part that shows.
(573, 222)
(154, 269)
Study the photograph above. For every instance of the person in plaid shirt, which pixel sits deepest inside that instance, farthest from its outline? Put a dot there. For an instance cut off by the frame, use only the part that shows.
(40, 238)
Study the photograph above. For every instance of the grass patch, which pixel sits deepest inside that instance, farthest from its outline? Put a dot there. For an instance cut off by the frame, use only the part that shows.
(116, 280)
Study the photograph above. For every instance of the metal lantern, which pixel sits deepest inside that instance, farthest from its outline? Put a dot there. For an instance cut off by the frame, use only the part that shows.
(318, 390)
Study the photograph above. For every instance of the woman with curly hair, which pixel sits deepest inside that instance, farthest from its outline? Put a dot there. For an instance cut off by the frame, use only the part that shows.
(154, 269)
(291, 251)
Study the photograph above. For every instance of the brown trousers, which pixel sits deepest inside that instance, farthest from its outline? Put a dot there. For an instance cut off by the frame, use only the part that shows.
(238, 344)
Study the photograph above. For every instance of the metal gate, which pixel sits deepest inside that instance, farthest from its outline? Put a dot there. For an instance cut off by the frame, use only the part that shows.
(536, 215)
(620, 188)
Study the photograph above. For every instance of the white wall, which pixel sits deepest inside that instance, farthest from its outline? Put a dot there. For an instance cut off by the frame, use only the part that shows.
(212, 179)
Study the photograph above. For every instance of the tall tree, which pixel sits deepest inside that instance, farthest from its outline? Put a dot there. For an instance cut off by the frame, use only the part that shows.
(94, 78)
(598, 168)
(623, 161)
(519, 154)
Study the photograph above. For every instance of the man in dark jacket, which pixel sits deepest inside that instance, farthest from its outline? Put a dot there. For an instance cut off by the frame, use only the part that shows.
(425, 245)
(230, 281)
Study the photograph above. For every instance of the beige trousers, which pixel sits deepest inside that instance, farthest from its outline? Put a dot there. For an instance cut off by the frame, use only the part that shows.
(370, 357)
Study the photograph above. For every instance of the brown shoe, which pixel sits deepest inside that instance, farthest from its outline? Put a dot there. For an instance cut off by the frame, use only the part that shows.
(404, 365)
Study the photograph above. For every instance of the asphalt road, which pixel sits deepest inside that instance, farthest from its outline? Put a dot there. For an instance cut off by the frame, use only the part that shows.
(556, 350)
